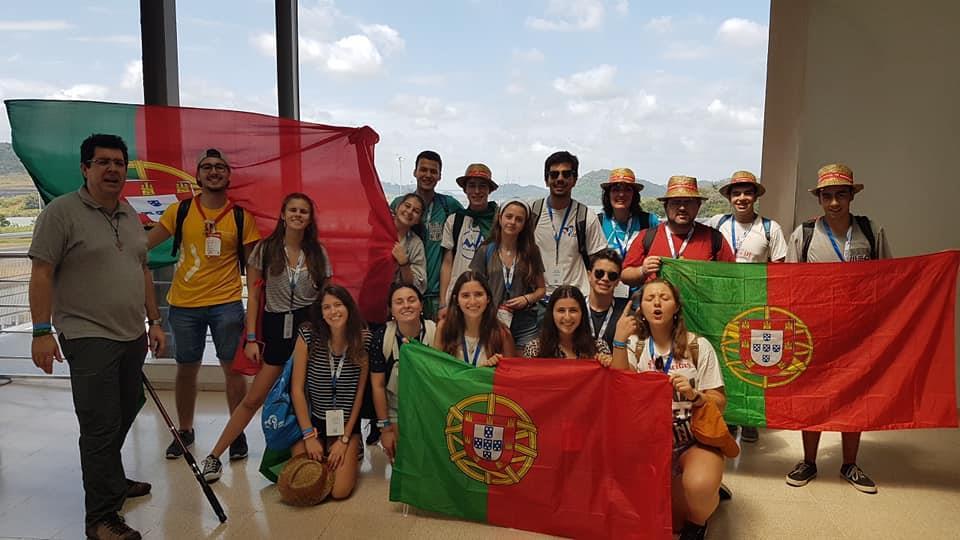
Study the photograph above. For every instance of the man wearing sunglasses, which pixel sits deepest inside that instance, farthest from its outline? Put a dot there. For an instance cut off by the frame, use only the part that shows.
(566, 232)
(605, 309)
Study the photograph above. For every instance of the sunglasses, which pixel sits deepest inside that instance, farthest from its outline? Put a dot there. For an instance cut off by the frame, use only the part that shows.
(611, 276)
(566, 174)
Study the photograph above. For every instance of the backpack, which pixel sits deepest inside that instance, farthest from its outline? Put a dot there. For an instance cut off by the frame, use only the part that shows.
(766, 224)
(580, 222)
(862, 221)
(182, 212)
(278, 419)
(716, 241)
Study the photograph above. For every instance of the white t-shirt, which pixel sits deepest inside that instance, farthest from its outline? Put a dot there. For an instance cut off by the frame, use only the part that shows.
(467, 244)
(564, 266)
(821, 249)
(751, 240)
(704, 376)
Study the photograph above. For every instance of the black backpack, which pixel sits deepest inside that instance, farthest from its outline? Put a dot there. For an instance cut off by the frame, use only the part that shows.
(580, 222)
(862, 221)
(716, 241)
(182, 212)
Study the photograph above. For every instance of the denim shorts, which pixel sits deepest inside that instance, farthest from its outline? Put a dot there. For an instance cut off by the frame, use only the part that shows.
(189, 325)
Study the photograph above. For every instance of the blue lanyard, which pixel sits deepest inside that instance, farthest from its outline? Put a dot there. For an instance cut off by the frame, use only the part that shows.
(476, 352)
(334, 375)
(833, 240)
(623, 245)
(666, 366)
(557, 235)
(401, 339)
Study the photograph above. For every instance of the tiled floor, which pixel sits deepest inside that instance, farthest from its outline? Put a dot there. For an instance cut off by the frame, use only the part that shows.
(41, 495)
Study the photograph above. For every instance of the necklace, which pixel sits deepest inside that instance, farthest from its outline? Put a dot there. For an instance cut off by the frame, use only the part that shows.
(115, 227)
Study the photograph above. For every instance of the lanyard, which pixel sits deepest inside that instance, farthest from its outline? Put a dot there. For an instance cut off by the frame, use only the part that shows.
(733, 233)
(401, 339)
(295, 277)
(624, 245)
(666, 366)
(833, 240)
(335, 374)
(476, 352)
(211, 225)
(557, 235)
(508, 274)
(683, 247)
(606, 321)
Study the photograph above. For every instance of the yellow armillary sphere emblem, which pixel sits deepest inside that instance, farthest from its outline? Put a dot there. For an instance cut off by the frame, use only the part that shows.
(491, 439)
(766, 346)
(186, 183)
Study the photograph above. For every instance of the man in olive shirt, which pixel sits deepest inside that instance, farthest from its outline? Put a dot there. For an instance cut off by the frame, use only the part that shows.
(89, 255)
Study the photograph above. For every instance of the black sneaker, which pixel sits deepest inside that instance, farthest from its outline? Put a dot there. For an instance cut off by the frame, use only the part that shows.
(749, 434)
(238, 448)
(733, 430)
(212, 468)
(858, 478)
(802, 474)
(111, 527)
(692, 531)
(174, 451)
(725, 493)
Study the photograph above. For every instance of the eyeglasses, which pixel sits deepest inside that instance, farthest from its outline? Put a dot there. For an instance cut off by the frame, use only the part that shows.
(611, 276)
(104, 162)
(207, 167)
(566, 174)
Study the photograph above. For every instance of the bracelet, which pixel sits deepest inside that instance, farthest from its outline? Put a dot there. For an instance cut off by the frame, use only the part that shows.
(619, 344)
(527, 300)
(41, 333)
(155, 322)
(42, 326)
(384, 423)
(251, 336)
(309, 434)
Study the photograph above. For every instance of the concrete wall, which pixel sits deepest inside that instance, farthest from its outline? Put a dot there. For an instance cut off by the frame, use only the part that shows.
(874, 84)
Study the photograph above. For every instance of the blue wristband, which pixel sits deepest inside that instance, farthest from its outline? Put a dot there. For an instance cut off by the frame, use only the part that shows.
(251, 337)
(42, 326)
(619, 344)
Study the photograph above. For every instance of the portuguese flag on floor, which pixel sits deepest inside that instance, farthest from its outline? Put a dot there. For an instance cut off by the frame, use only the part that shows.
(270, 157)
(829, 346)
(562, 447)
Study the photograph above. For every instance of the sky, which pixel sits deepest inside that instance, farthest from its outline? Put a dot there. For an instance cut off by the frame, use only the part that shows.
(661, 87)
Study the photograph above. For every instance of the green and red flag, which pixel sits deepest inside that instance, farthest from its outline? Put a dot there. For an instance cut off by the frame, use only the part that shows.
(270, 157)
(829, 346)
(555, 446)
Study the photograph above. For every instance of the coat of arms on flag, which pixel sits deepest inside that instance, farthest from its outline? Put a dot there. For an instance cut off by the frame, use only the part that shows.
(767, 346)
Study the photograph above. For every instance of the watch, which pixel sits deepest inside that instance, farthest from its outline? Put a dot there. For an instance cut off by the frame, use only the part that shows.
(155, 322)
(344, 439)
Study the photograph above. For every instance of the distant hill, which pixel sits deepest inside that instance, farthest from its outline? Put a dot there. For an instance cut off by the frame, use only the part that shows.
(9, 162)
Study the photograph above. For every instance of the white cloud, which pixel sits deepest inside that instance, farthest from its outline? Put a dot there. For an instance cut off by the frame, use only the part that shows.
(386, 38)
(593, 83)
(425, 111)
(266, 43)
(686, 50)
(34, 26)
(568, 15)
(528, 55)
(133, 75)
(352, 54)
(742, 33)
(746, 117)
(622, 7)
(355, 54)
(118, 39)
(515, 88)
(81, 92)
(660, 25)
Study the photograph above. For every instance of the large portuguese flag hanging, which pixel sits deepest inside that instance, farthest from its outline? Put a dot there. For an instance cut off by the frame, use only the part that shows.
(829, 346)
(270, 157)
(557, 446)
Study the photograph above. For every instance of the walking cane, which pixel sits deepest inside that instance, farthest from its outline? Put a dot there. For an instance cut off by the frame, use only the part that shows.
(197, 473)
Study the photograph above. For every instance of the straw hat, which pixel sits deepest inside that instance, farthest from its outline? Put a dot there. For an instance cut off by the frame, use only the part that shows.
(682, 187)
(480, 171)
(304, 482)
(622, 176)
(710, 429)
(835, 174)
(742, 178)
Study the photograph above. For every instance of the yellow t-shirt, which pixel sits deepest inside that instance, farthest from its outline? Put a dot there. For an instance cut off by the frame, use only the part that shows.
(199, 280)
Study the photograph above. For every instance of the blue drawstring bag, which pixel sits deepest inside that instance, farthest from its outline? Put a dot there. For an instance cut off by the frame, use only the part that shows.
(279, 421)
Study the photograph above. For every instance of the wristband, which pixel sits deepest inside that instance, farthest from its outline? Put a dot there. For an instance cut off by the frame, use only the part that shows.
(619, 344)
(41, 333)
(251, 336)
(384, 423)
(42, 326)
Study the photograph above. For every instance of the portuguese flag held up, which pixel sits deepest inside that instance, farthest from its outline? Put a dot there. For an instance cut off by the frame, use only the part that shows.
(829, 346)
(562, 447)
(270, 157)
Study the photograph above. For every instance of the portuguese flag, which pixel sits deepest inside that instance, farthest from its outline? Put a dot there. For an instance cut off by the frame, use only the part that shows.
(270, 157)
(829, 346)
(561, 447)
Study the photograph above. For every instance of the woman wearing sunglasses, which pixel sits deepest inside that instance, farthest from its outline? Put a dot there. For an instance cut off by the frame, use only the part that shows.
(655, 338)
(565, 332)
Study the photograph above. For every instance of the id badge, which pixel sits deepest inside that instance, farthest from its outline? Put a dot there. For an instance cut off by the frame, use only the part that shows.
(556, 276)
(334, 423)
(505, 315)
(212, 246)
(621, 291)
(288, 325)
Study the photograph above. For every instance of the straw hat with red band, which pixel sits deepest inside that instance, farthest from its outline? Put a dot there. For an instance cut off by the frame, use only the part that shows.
(835, 174)
(682, 187)
(623, 176)
(742, 178)
(479, 171)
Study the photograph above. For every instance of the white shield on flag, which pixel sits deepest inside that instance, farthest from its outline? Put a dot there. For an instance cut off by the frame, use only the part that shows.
(488, 441)
(766, 346)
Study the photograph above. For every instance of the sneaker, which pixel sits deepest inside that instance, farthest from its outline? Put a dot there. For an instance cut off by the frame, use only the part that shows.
(238, 448)
(137, 489)
(174, 451)
(733, 430)
(858, 478)
(111, 527)
(725, 493)
(212, 468)
(749, 434)
(692, 531)
(374, 436)
(802, 474)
